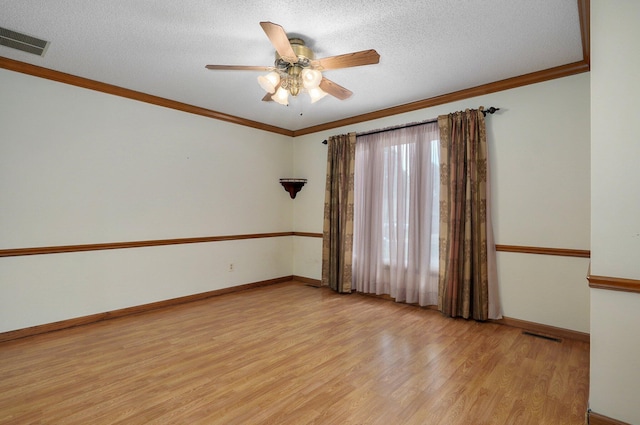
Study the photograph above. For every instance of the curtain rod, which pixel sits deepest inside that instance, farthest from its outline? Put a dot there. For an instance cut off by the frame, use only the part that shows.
(489, 110)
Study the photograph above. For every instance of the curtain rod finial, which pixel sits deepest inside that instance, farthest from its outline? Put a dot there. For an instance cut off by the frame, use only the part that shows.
(490, 110)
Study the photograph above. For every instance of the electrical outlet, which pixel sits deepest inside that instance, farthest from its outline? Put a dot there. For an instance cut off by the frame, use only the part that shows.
(231, 266)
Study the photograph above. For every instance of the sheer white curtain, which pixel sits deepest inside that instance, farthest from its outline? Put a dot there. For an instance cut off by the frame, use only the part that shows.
(396, 214)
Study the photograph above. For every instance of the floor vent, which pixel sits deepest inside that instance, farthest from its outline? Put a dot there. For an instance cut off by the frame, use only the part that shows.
(547, 337)
(23, 42)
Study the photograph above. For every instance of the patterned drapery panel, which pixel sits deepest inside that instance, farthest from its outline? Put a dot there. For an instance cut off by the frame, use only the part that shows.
(337, 239)
(464, 271)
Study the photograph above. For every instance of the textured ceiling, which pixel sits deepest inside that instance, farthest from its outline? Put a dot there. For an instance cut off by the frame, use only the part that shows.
(427, 47)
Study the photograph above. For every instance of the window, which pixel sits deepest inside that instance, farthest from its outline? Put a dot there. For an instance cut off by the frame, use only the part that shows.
(396, 213)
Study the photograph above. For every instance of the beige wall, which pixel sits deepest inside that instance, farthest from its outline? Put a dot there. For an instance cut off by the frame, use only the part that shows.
(539, 143)
(82, 167)
(615, 207)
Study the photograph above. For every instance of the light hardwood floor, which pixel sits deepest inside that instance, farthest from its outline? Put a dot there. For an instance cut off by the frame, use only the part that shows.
(292, 354)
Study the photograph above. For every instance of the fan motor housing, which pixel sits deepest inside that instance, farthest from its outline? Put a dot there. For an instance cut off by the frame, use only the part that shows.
(291, 81)
(305, 55)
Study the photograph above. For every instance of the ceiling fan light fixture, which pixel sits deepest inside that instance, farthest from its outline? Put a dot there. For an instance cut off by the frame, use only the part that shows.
(296, 70)
(316, 94)
(281, 96)
(311, 78)
(269, 82)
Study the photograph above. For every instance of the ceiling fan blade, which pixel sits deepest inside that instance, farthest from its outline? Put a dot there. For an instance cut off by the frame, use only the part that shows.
(364, 57)
(280, 41)
(334, 89)
(239, 68)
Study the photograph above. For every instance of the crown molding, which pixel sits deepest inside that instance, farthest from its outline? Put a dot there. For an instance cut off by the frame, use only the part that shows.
(584, 7)
(509, 83)
(584, 13)
(61, 77)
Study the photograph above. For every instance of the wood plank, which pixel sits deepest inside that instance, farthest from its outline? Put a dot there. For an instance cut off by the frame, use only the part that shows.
(307, 280)
(61, 77)
(93, 318)
(292, 354)
(563, 252)
(59, 249)
(542, 329)
(308, 234)
(614, 283)
(509, 83)
(598, 419)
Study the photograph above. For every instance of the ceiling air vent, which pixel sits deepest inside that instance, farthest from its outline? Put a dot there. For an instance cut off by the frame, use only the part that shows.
(23, 42)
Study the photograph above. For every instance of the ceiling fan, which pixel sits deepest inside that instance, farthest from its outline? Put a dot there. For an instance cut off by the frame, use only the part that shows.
(295, 68)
